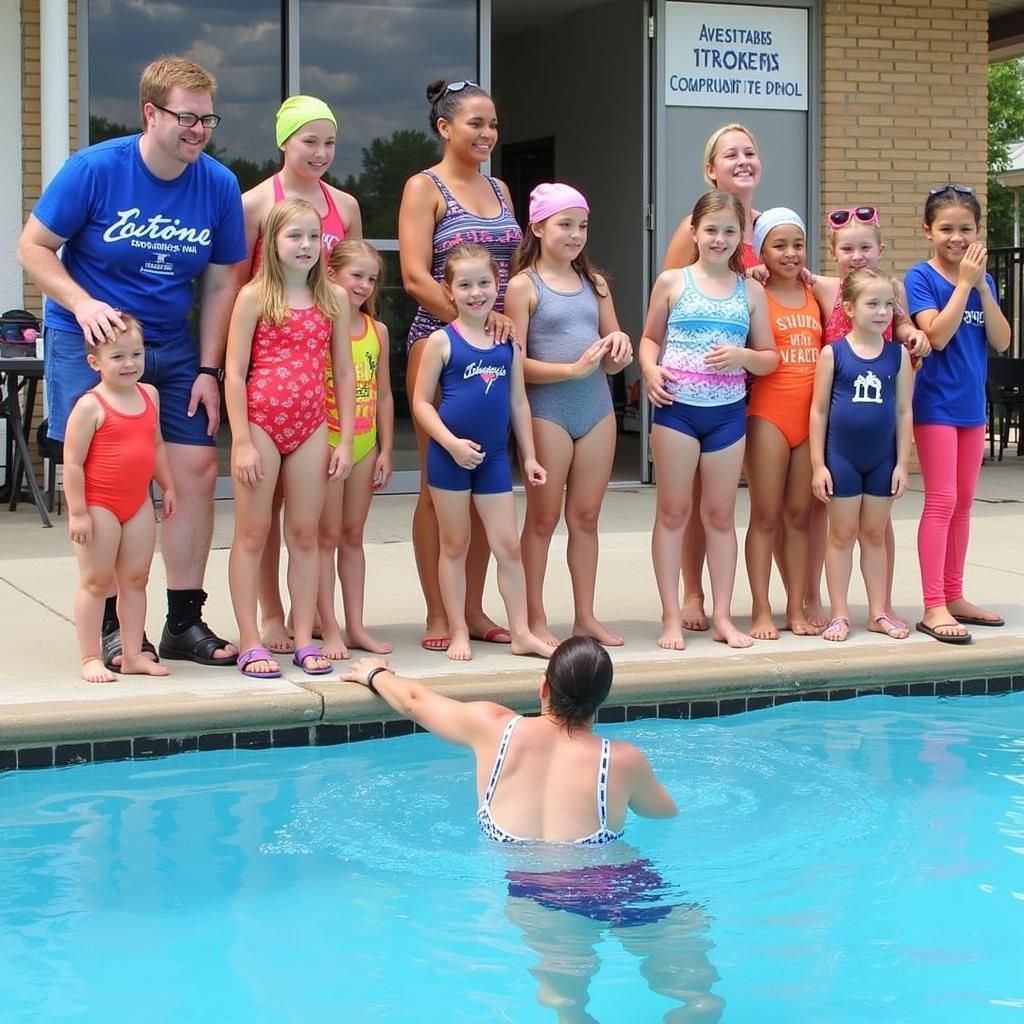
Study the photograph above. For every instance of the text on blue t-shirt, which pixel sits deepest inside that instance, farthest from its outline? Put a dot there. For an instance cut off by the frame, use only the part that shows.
(949, 388)
(136, 241)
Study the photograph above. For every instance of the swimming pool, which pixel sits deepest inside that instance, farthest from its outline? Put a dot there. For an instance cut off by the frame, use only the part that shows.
(833, 862)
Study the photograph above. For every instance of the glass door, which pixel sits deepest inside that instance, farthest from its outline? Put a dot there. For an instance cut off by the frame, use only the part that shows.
(372, 60)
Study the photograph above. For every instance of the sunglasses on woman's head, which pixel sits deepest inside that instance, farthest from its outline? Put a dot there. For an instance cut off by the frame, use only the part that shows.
(459, 86)
(845, 214)
(960, 190)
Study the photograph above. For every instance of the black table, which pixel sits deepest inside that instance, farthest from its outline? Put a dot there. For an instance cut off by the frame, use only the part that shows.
(17, 376)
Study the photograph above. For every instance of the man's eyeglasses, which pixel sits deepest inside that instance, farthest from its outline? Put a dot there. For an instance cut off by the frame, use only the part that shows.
(186, 119)
(459, 86)
(960, 190)
(841, 217)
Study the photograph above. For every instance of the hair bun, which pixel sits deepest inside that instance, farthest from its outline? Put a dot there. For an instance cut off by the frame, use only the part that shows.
(436, 90)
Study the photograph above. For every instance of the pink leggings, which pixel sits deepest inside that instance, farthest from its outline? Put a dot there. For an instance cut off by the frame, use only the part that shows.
(950, 459)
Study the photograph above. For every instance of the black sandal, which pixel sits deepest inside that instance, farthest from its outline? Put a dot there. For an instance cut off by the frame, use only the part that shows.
(197, 644)
(110, 648)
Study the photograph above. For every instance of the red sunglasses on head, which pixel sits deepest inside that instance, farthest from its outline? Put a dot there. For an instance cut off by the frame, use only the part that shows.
(840, 218)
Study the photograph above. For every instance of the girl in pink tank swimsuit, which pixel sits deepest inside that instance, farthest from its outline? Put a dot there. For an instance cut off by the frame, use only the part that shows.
(306, 131)
(284, 324)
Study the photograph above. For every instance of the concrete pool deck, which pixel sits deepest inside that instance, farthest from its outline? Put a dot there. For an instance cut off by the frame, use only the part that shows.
(44, 704)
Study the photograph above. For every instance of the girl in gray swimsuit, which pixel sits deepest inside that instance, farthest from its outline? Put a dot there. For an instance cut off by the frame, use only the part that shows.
(563, 309)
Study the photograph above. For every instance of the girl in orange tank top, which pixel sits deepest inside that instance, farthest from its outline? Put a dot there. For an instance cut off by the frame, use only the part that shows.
(113, 448)
(778, 465)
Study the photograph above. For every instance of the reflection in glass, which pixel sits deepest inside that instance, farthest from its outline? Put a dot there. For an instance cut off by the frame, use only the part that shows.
(372, 61)
(397, 310)
(237, 41)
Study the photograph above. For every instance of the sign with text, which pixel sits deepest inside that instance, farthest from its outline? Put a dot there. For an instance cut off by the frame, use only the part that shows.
(732, 55)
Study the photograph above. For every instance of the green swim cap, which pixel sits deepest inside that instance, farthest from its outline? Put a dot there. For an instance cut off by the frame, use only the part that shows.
(297, 111)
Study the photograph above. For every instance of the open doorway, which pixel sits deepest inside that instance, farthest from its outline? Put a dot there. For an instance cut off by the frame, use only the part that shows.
(570, 81)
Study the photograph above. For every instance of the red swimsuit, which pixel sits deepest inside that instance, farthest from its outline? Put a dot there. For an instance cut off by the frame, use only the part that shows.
(121, 459)
(287, 377)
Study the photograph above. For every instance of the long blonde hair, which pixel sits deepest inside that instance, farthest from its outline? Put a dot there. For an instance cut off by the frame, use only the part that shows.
(270, 291)
(353, 249)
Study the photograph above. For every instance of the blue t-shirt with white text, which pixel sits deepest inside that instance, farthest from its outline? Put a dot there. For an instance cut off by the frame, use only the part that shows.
(949, 388)
(136, 241)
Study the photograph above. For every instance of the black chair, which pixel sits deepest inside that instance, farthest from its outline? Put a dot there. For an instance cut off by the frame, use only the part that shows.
(1004, 390)
(53, 452)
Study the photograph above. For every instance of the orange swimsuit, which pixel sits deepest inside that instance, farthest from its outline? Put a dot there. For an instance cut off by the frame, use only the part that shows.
(783, 397)
(121, 459)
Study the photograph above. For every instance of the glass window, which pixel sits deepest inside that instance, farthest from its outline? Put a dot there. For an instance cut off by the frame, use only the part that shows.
(238, 41)
(372, 61)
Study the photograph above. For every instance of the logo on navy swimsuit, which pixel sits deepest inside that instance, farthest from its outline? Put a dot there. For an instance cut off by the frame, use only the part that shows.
(488, 374)
(867, 388)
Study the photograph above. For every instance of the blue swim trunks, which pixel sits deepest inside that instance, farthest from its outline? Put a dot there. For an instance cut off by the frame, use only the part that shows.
(492, 476)
(716, 427)
(170, 367)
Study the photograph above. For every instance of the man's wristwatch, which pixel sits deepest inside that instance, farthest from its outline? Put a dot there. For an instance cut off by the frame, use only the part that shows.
(213, 371)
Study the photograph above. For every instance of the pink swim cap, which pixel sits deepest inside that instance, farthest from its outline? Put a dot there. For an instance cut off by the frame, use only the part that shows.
(553, 197)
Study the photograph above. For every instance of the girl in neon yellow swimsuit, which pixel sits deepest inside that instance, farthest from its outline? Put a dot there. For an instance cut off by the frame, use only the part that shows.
(356, 266)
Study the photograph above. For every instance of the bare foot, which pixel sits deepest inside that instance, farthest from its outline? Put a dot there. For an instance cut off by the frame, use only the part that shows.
(693, 615)
(890, 627)
(978, 616)
(362, 641)
(890, 613)
(527, 643)
(726, 633)
(671, 638)
(317, 633)
(275, 637)
(594, 629)
(814, 614)
(837, 630)
(541, 631)
(141, 665)
(94, 671)
(763, 627)
(798, 625)
(459, 649)
(481, 625)
(333, 645)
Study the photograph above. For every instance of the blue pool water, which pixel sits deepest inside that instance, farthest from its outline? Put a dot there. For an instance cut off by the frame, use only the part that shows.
(848, 862)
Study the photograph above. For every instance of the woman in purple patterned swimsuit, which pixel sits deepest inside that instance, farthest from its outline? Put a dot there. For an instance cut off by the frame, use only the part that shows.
(451, 203)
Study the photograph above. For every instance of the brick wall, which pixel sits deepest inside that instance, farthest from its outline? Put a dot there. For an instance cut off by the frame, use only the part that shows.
(31, 159)
(904, 107)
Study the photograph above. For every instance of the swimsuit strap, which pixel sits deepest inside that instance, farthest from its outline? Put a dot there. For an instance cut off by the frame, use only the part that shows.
(602, 785)
(278, 189)
(499, 761)
(454, 206)
(331, 208)
(108, 408)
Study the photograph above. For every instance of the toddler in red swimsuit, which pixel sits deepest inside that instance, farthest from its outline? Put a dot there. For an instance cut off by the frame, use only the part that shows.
(112, 450)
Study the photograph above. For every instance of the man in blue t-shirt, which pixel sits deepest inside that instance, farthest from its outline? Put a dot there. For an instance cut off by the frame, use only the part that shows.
(138, 221)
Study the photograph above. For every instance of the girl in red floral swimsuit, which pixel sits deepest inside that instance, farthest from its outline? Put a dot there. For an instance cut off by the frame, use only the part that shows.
(284, 322)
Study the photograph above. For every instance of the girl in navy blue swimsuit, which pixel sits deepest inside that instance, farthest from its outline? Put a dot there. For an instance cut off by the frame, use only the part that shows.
(482, 393)
(861, 428)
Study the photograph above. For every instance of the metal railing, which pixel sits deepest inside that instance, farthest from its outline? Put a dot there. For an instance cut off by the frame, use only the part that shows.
(1007, 269)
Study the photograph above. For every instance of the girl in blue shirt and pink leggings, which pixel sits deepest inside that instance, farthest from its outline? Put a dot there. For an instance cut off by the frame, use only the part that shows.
(953, 301)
